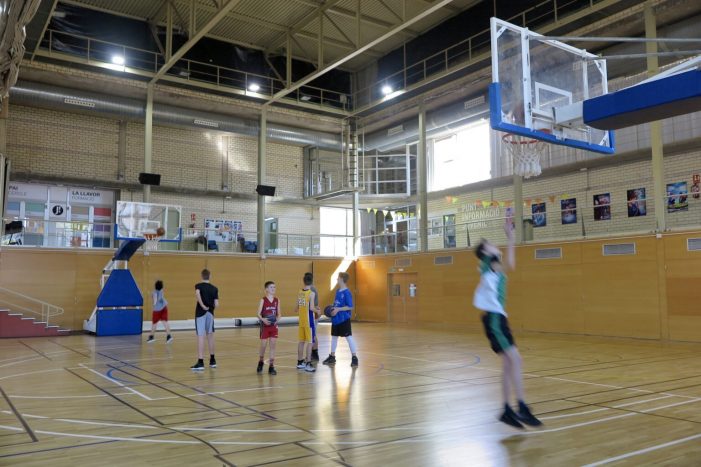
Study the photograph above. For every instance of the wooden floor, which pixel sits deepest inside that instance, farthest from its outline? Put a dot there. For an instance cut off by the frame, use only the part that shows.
(421, 397)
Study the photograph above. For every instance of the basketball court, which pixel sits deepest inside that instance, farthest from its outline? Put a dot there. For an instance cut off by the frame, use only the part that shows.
(416, 152)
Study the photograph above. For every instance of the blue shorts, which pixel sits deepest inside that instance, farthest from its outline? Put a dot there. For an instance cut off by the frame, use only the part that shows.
(312, 324)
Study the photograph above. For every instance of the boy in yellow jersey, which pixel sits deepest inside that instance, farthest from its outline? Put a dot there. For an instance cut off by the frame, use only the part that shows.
(305, 307)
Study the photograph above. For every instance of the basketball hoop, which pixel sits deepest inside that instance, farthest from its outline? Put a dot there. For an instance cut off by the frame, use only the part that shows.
(152, 240)
(525, 152)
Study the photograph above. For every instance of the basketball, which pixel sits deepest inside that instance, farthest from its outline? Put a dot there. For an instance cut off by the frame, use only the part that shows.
(327, 310)
(160, 232)
(271, 319)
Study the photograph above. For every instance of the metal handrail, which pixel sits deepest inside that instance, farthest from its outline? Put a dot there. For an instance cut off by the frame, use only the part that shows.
(219, 75)
(461, 51)
(47, 309)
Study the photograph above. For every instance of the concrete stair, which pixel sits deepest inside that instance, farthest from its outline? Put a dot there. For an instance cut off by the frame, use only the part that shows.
(16, 325)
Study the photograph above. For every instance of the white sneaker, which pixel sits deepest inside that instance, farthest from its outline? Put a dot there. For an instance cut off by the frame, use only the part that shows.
(169, 340)
(301, 366)
(309, 368)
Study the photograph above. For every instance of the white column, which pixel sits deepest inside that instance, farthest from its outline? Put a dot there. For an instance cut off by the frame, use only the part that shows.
(148, 139)
(422, 183)
(262, 139)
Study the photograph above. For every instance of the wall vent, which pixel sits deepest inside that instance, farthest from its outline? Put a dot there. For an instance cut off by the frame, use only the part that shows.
(79, 102)
(441, 260)
(402, 262)
(614, 249)
(207, 123)
(474, 102)
(548, 253)
(693, 244)
(395, 130)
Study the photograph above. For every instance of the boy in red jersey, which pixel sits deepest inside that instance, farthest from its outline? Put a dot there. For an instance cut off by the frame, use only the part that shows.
(268, 314)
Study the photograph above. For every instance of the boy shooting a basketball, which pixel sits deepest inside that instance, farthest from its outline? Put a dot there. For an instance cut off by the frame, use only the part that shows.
(207, 301)
(489, 297)
(341, 321)
(305, 309)
(269, 315)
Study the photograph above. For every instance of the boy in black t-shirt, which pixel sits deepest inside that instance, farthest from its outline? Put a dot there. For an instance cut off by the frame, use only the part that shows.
(207, 300)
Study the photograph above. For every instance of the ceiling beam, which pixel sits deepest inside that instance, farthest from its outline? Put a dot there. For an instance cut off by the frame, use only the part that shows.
(340, 11)
(317, 13)
(40, 38)
(194, 39)
(311, 77)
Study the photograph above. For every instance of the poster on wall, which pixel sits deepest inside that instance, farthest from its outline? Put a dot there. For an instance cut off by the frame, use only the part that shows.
(696, 186)
(677, 199)
(539, 217)
(602, 207)
(221, 230)
(509, 214)
(637, 206)
(569, 211)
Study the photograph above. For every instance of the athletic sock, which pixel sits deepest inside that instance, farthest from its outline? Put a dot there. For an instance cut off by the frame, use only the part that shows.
(351, 344)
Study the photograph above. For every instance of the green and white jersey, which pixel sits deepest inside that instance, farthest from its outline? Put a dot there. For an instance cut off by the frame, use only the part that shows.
(490, 294)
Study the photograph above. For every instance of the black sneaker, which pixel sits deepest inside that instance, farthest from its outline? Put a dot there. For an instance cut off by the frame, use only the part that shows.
(330, 360)
(524, 415)
(301, 365)
(260, 367)
(510, 418)
(309, 368)
(169, 339)
(315, 355)
(354, 362)
(272, 370)
(212, 363)
(199, 366)
(150, 340)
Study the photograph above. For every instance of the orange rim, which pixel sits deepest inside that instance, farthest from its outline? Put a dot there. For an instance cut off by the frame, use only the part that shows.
(511, 138)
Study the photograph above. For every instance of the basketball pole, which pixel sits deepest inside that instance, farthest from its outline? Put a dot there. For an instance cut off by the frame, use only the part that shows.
(656, 142)
(148, 139)
(518, 208)
(422, 178)
(260, 212)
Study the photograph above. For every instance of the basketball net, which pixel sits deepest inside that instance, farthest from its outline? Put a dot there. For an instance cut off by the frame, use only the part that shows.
(525, 152)
(152, 240)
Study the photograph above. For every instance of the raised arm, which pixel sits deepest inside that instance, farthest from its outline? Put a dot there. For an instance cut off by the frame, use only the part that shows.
(510, 241)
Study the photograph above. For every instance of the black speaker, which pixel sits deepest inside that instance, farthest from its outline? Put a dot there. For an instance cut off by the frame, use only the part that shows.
(149, 179)
(265, 190)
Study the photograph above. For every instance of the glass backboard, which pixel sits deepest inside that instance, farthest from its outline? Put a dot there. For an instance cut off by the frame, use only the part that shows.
(539, 85)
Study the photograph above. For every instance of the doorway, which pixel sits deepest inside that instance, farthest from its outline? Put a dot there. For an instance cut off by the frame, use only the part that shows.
(271, 243)
(403, 301)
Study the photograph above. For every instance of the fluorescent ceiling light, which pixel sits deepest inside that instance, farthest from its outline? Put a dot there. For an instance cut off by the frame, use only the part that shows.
(117, 59)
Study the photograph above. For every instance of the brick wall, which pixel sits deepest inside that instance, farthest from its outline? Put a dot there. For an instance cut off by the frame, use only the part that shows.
(46, 142)
(486, 221)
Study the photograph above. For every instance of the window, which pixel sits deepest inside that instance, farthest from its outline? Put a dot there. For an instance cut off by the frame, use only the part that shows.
(462, 158)
(335, 225)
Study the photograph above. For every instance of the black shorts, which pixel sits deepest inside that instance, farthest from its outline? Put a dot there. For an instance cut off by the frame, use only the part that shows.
(497, 329)
(342, 330)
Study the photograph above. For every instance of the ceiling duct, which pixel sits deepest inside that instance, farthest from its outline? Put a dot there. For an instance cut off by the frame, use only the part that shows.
(46, 96)
(440, 120)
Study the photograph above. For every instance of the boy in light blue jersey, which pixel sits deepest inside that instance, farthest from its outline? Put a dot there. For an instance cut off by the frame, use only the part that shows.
(490, 297)
(341, 321)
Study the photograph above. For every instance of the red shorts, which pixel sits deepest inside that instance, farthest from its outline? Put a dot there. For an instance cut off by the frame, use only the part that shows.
(267, 332)
(160, 315)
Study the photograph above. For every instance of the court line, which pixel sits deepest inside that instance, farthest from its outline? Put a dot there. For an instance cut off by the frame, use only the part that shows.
(30, 373)
(644, 451)
(21, 419)
(602, 409)
(21, 361)
(118, 383)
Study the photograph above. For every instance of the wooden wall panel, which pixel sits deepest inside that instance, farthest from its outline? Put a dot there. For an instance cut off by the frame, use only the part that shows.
(325, 275)
(372, 287)
(683, 280)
